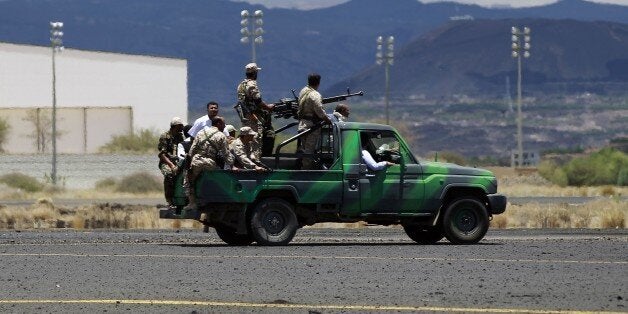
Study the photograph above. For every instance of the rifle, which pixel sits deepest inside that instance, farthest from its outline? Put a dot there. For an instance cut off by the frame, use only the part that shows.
(243, 111)
(287, 108)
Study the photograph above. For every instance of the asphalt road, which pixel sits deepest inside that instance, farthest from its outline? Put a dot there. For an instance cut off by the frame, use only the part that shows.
(322, 270)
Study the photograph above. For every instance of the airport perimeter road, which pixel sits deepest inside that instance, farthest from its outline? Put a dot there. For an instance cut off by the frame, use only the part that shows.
(323, 270)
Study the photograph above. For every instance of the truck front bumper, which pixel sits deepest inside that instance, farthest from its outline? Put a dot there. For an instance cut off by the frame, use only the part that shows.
(497, 203)
(172, 213)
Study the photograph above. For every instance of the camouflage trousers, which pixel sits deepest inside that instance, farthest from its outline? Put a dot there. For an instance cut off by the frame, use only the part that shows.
(198, 164)
(169, 181)
(309, 144)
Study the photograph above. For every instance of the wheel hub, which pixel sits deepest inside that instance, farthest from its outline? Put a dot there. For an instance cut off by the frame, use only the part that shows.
(274, 222)
(466, 220)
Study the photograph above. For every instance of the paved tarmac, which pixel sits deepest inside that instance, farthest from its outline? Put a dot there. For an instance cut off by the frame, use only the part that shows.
(321, 271)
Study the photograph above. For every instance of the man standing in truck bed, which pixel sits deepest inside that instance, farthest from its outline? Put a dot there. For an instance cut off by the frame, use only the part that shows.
(258, 112)
(310, 113)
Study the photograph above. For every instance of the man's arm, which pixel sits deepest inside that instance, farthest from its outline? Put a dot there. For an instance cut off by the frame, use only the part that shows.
(240, 154)
(370, 162)
(318, 106)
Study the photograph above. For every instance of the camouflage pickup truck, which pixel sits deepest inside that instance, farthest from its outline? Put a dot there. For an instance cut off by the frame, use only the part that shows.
(431, 200)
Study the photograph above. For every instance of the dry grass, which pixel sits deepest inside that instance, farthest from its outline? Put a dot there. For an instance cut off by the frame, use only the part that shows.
(532, 184)
(7, 193)
(105, 216)
(608, 213)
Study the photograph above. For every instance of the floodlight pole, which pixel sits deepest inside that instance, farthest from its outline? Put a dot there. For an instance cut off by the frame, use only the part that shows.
(387, 59)
(56, 43)
(254, 33)
(520, 50)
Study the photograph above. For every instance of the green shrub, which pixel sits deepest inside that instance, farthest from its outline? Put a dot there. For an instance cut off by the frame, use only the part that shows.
(622, 177)
(605, 167)
(4, 133)
(553, 173)
(22, 181)
(142, 141)
(139, 182)
(106, 183)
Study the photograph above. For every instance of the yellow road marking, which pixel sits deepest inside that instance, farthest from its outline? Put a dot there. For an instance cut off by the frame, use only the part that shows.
(302, 306)
(443, 259)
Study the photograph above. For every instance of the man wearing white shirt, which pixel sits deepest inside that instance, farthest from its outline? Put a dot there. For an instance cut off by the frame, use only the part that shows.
(206, 120)
(368, 159)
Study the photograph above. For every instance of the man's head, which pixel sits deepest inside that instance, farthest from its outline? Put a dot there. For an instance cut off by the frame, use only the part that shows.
(247, 134)
(219, 122)
(251, 70)
(314, 80)
(343, 110)
(230, 129)
(176, 125)
(212, 109)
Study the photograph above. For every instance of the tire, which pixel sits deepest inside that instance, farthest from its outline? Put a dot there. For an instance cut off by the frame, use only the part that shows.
(465, 221)
(423, 235)
(229, 236)
(273, 222)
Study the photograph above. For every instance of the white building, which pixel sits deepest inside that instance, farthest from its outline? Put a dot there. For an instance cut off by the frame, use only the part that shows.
(98, 93)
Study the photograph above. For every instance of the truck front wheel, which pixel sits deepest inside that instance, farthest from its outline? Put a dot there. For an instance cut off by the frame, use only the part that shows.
(273, 222)
(230, 236)
(465, 221)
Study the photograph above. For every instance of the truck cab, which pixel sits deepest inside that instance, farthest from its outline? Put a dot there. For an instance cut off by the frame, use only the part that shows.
(430, 200)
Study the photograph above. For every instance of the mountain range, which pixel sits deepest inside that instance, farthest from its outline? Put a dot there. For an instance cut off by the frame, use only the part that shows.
(337, 42)
(473, 59)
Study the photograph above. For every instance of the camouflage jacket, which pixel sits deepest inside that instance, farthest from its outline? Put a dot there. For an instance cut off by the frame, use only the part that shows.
(310, 107)
(244, 154)
(211, 143)
(249, 93)
(168, 146)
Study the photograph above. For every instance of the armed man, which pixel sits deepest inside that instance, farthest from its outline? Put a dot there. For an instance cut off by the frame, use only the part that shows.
(167, 147)
(243, 151)
(209, 151)
(310, 113)
(256, 113)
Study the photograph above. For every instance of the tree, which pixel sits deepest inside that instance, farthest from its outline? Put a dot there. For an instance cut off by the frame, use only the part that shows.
(41, 120)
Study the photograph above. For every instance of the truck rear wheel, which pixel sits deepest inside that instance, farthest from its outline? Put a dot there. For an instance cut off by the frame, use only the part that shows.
(465, 221)
(273, 222)
(232, 238)
(423, 235)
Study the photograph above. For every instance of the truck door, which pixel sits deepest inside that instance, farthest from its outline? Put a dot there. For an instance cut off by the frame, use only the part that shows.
(380, 190)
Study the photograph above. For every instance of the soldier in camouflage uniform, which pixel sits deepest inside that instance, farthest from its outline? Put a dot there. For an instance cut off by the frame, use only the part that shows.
(310, 113)
(243, 151)
(167, 147)
(258, 117)
(209, 151)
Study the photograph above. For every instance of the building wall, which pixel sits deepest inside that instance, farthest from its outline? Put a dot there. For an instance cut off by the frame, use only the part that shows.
(154, 87)
(80, 130)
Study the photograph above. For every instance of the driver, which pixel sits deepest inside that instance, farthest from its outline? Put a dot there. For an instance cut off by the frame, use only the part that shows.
(367, 158)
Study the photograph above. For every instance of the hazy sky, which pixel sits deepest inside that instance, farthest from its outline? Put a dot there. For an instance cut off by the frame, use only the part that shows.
(311, 4)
